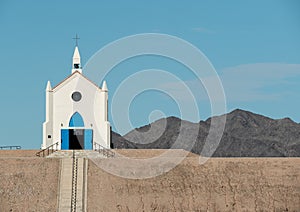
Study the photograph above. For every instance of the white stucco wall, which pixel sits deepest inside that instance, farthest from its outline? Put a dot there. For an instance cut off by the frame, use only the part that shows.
(92, 107)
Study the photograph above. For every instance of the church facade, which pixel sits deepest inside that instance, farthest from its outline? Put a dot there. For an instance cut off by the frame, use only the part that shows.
(76, 112)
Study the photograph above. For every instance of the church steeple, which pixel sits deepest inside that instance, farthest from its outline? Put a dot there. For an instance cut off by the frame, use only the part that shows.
(76, 65)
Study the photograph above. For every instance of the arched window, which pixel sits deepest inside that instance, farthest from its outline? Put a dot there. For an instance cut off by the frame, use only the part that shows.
(76, 120)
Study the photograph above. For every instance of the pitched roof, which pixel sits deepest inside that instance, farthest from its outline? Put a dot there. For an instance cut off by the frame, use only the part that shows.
(74, 73)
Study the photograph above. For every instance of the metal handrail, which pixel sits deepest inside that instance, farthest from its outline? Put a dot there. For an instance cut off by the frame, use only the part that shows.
(49, 150)
(74, 183)
(102, 150)
(10, 147)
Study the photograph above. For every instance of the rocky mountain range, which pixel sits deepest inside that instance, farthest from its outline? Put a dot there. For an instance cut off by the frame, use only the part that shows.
(245, 135)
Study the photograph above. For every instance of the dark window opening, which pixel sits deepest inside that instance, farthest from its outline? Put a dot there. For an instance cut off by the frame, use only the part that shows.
(76, 65)
(76, 96)
(49, 136)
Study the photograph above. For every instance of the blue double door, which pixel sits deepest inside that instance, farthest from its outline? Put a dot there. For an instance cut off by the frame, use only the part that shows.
(76, 139)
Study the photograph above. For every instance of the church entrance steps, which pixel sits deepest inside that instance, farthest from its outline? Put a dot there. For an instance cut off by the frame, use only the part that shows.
(65, 189)
(72, 176)
(88, 154)
(78, 154)
(61, 154)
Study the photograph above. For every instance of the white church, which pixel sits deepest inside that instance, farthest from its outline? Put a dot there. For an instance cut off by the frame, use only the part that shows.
(76, 112)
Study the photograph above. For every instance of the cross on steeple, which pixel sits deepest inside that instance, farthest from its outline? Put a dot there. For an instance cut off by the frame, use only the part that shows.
(76, 38)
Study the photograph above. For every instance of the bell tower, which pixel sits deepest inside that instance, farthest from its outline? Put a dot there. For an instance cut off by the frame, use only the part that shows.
(76, 64)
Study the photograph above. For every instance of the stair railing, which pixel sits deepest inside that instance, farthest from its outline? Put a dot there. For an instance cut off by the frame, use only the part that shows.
(10, 147)
(102, 150)
(49, 150)
(74, 183)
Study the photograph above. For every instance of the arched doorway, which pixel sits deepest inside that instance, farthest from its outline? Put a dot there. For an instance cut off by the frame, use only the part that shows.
(76, 136)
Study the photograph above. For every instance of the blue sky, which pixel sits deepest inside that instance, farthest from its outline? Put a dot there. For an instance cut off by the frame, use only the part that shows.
(253, 45)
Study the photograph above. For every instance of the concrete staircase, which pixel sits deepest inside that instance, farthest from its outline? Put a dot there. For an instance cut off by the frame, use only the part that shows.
(73, 177)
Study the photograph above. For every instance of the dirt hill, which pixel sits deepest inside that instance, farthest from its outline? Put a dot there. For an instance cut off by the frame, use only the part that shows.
(28, 183)
(221, 184)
